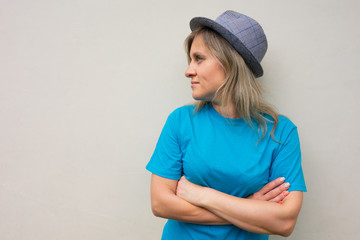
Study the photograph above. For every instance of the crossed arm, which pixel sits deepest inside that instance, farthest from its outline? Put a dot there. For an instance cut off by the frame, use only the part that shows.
(260, 213)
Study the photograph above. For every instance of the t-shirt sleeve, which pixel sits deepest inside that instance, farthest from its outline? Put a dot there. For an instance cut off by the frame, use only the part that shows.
(166, 159)
(286, 161)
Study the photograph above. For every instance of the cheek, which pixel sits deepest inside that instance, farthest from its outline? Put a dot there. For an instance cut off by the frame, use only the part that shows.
(219, 73)
(220, 77)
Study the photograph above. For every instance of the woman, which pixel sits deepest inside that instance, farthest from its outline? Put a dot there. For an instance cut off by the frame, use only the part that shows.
(219, 167)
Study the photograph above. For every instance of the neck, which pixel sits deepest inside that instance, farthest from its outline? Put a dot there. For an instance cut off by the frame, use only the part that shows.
(227, 110)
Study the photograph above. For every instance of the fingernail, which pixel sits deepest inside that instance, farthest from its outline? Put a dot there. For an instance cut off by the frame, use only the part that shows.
(282, 179)
(287, 185)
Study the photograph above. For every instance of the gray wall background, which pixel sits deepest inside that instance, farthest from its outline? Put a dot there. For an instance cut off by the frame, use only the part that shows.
(86, 86)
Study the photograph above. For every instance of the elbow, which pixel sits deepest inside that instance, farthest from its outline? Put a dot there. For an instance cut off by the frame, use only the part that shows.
(286, 233)
(286, 228)
(155, 211)
(156, 208)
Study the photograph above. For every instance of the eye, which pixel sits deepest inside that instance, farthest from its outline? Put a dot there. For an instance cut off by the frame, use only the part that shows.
(198, 58)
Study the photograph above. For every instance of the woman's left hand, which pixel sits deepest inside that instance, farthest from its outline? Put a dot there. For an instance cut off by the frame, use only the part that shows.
(189, 191)
(274, 191)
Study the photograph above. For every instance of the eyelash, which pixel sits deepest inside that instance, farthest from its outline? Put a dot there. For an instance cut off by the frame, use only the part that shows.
(198, 58)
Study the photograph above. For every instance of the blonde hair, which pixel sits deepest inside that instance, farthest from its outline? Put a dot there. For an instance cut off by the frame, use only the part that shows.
(240, 87)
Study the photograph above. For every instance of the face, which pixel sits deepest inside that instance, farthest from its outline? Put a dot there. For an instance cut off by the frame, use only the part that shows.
(204, 70)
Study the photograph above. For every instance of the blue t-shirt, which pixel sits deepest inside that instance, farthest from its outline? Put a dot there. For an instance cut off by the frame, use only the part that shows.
(224, 154)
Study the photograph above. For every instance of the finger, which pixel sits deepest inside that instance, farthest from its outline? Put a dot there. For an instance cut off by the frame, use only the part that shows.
(271, 185)
(280, 197)
(277, 191)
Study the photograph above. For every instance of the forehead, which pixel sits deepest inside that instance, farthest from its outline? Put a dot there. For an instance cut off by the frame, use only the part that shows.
(198, 45)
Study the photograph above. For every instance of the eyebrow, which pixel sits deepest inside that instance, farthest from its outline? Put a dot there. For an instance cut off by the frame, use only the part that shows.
(197, 53)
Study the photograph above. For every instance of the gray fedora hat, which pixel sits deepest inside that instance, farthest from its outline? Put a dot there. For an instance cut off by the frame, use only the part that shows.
(242, 32)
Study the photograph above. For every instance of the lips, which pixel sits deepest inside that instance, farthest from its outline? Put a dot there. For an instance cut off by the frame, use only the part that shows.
(193, 83)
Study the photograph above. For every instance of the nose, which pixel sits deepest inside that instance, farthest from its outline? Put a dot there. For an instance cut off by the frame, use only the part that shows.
(190, 71)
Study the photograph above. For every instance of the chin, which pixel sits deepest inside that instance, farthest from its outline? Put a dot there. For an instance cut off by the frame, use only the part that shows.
(197, 97)
(200, 97)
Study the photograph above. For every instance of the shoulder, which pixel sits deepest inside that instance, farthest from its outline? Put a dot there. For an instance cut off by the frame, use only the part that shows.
(180, 120)
(285, 122)
(284, 127)
(182, 112)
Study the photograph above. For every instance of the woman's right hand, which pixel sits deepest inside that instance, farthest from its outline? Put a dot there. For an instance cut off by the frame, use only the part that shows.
(274, 191)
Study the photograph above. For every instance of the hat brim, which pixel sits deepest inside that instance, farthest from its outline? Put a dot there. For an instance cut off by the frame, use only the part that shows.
(248, 57)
